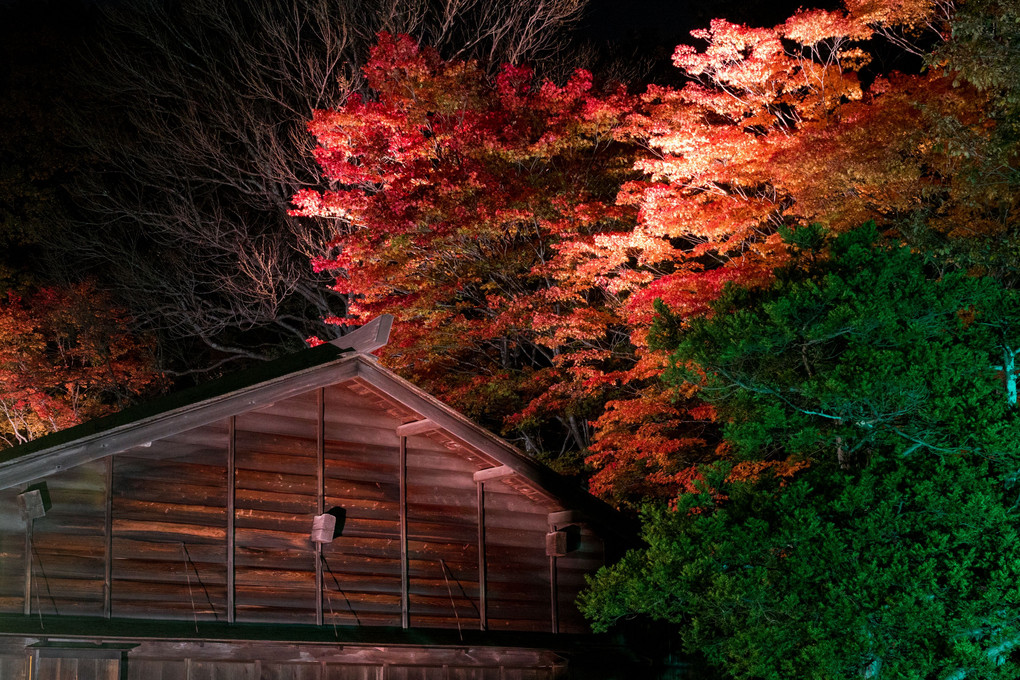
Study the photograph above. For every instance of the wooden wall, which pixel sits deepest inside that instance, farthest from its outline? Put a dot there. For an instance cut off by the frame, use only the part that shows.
(213, 524)
(361, 568)
(169, 527)
(12, 554)
(275, 502)
(68, 544)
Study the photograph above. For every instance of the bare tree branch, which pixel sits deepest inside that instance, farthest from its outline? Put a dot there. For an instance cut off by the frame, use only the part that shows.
(204, 143)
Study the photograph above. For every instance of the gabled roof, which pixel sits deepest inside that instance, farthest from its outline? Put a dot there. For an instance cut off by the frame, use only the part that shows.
(74, 443)
(331, 363)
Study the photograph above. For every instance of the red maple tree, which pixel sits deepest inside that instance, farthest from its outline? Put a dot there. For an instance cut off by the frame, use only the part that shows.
(65, 357)
(522, 230)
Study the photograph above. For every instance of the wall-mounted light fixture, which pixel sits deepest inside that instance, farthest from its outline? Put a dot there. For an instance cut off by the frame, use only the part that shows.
(34, 501)
(564, 535)
(328, 526)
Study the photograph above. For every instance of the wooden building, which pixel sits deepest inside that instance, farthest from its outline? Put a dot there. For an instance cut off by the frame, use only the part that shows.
(317, 518)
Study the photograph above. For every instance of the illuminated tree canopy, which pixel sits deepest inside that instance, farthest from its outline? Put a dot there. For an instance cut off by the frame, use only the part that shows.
(865, 525)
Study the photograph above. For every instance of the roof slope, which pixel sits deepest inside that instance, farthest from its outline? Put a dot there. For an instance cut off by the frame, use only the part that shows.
(291, 375)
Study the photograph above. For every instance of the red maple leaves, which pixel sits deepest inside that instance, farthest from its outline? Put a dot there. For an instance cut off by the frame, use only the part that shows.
(521, 229)
(65, 358)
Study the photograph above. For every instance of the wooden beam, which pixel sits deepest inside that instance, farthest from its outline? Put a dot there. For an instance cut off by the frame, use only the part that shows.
(554, 595)
(457, 426)
(492, 474)
(108, 536)
(231, 515)
(371, 336)
(320, 495)
(417, 427)
(483, 618)
(29, 522)
(564, 517)
(405, 618)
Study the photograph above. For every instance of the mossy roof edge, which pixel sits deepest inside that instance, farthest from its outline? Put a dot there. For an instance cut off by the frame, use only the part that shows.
(232, 382)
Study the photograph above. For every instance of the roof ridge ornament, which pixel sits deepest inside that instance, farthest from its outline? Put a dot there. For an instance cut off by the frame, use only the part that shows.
(367, 338)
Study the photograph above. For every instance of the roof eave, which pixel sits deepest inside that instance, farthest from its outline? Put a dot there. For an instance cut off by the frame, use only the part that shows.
(50, 460)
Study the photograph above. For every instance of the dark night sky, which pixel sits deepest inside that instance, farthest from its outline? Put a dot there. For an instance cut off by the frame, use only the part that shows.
(652, 26)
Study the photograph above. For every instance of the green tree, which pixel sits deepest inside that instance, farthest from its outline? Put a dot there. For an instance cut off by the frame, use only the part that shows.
(893, 552)
(856, 347)
(905, 569)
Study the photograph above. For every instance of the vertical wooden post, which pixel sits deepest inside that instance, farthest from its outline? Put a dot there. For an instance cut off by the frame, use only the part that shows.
(29, 523)
(405, 609)
(231, 498)
(483, 615)
(108, 535)
(554, 595)
(320, 497)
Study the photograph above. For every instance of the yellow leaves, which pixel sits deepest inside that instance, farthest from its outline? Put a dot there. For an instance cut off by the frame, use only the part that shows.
(893, 13)
(809, 27)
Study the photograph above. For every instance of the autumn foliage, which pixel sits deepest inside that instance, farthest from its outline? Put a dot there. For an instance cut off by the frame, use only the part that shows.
(65, 357)
(521, 231)
(460, 205)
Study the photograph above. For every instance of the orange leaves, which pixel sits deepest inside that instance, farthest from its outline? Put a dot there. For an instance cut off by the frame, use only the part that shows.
(775, 129)
(752, 470)
(521, 230)
(648, 445)
(808, 27)
(65, 358)
(738, 56)
(458, 202)
(911, 14)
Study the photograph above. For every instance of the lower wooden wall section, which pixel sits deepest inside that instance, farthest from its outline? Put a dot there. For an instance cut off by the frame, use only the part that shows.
(158, 660)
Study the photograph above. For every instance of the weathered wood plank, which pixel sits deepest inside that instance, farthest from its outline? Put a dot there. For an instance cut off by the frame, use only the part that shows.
(270, 481)
(275, 540)
(369, 337)
(51, 587)
(184, 510)
(416, 427)
(126, 547)
(492, 474)
(159, 492)
(162, 669)
(168, 531)
(251, 518)
(75, 605)
(69, 541)
(68, 566)
(482, 557)
(165, 611)
(208, 573)
(272, 501)
(205, 595)
(135, 473)
(341, 616)
(170, 452)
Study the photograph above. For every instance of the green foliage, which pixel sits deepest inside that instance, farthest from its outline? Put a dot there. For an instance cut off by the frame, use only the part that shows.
(906, 569)
(895, 553)
(845, 354)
